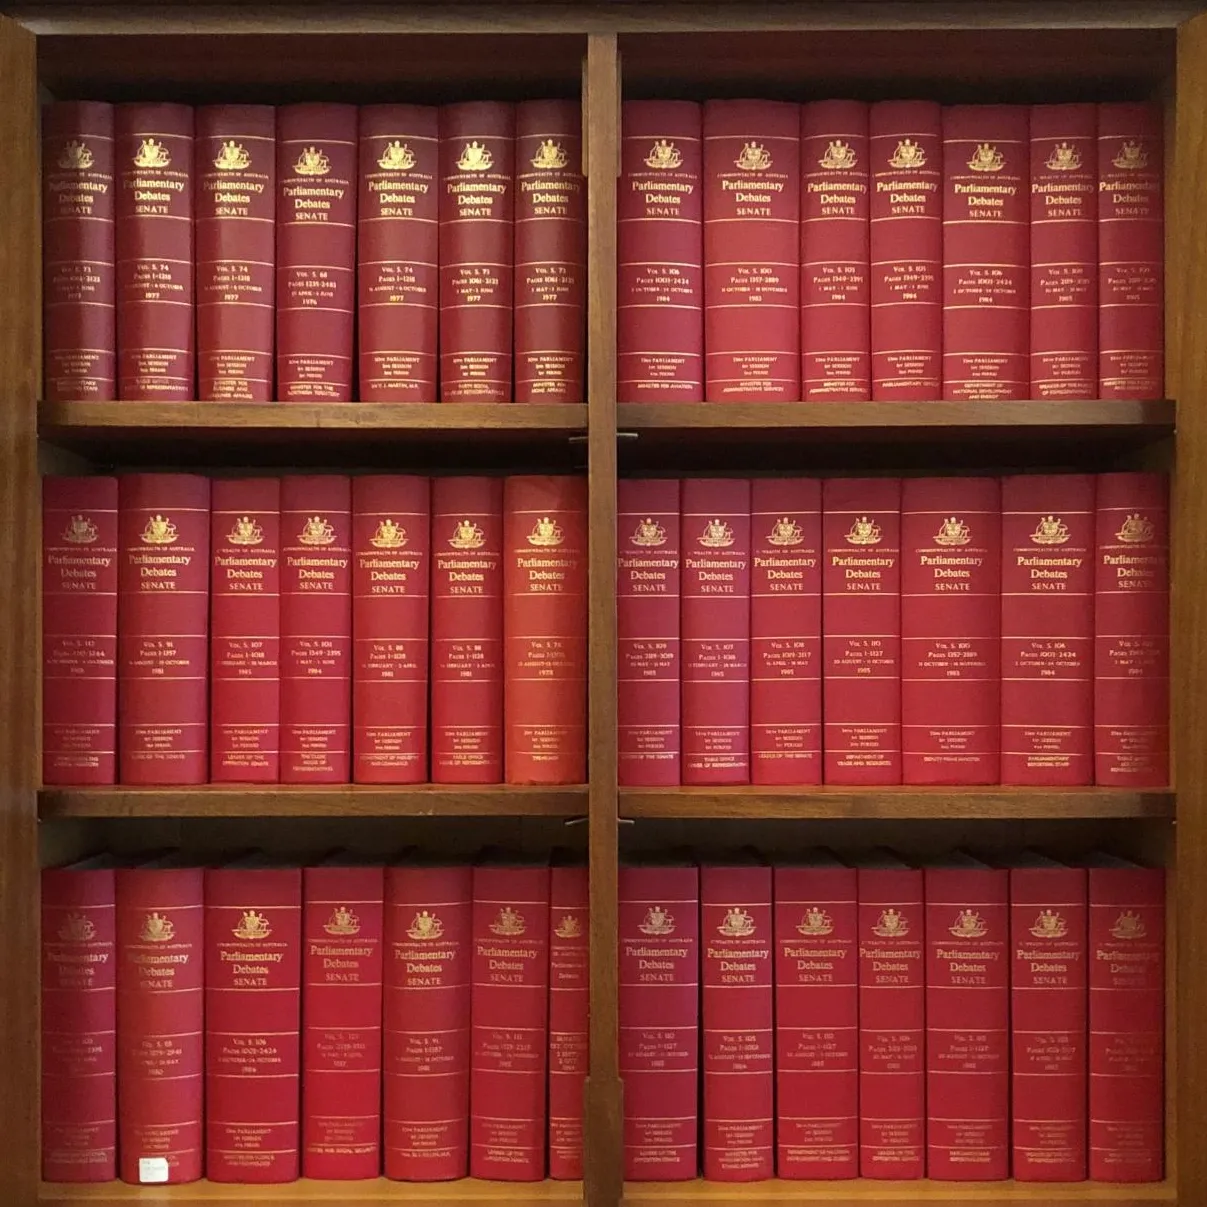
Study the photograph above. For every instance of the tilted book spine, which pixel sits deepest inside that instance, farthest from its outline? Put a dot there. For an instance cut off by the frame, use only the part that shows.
(569, 999)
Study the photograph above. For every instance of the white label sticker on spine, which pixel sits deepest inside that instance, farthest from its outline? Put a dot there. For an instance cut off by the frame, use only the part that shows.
(152, 1169)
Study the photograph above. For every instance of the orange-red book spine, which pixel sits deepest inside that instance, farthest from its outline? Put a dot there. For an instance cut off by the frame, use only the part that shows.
(569, 1000)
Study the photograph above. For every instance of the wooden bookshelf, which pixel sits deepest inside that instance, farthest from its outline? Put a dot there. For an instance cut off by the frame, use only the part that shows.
(893, 1194)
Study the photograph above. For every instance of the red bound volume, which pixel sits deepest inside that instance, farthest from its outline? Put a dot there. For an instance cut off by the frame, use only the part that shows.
(163, 636)
(906, 154)
(397, 265)
(1131, 251)
(659, 1005)
(1048, 1021)
(316, 251)
(153, 151)
(951, 620)
(160, 1022)
(1048, 630)
(391, 516)
(1064, 251)
(752, 251)
(316, 629)
(467, 630)
(510, 1016)
(861, 630)
(245, 614)
(79, 1024)
(427, 1000)
(816, 1021)
(835, 329)
(477, 255)
(342, 928)
(569, 998)
(79, 630)
(253, 1000)
(785, 631)
(1127, 1021)
(78, 254)
(545, 629)
(647, 627)
(1131, 627)
(236, 251)
(550, 252)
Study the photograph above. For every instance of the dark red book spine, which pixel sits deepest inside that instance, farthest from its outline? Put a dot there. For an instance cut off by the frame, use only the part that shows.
(316, 251)
(1127, 1024)
(1131, 251)
(785, 631)
(1131, 631)
(427, 1022)
(79, 1025)
(79, 630)
(816, 1023)
(659, 1006)
(316, 629)
(905, 148)
(397, 253)
(160, 1023)
(163, 634)
(861, 630)
(391, 518)
(647, 627)
(1048, 629)
(1048, 1023)
(342, 929)
(253, 1001)
(951, 621)
(78, 254)
(835, 334)
(1064, 251)
(510, 1018)
(550, 252)
(236, 251)
(153, 151)
(569, 1000)
(467, 631)
(477, 254)
(245, 618)
(545, 629)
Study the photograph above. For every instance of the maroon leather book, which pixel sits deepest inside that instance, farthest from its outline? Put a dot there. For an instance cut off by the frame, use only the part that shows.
(906, 154)
(79, 1024)
(569, 1002)
(153, 151)
(391, 517)
(986, 265)
(316, 629)
(647, 632)
(79, 630)
(79, 314)
(163, 632)
(785, 631)
(752, 251)
(550, 252)
(397, 268)
(835, 333)
(951, 622)
(245, 616)
(236, 251)
(316, 251)
(467, 630)
(477, 255)
(1131, 251)
(1131, 631)
(861, 630)
(1048, 629)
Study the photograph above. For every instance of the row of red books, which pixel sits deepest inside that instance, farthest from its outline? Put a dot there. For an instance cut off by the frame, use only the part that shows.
(264, 630)
(213, 251)
(883, 631)
(959, 1022)
(248, 1021)
(838, 251)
